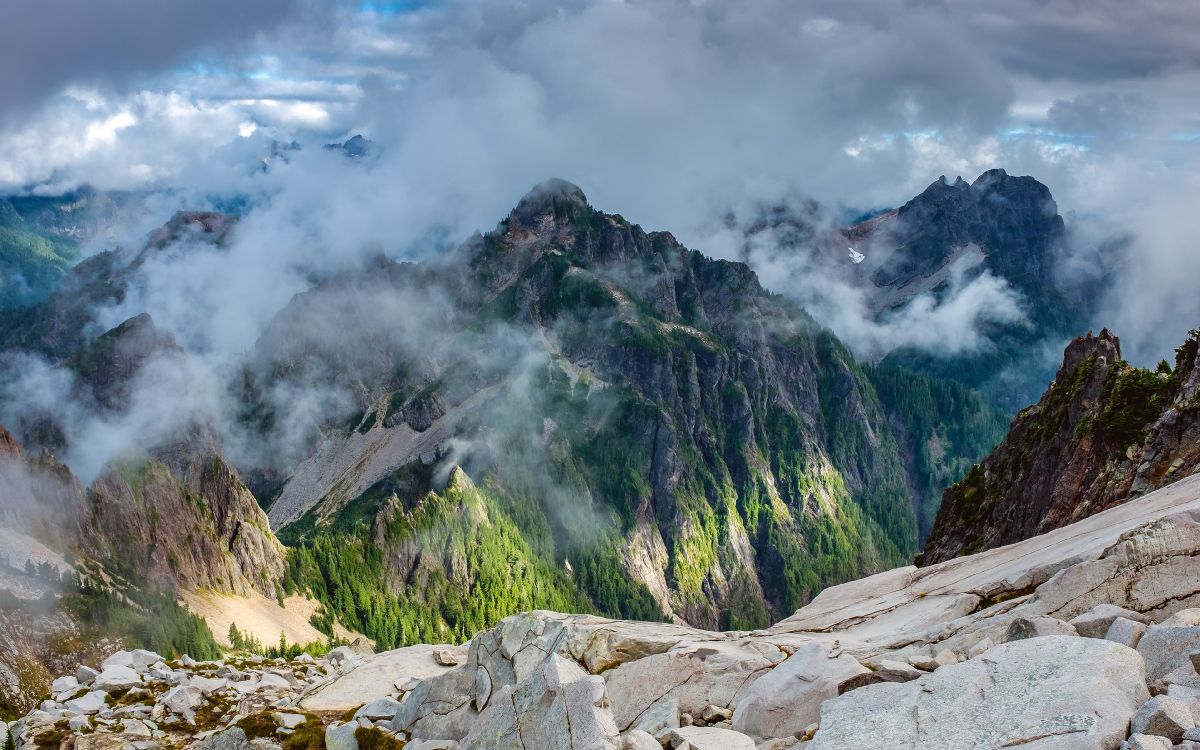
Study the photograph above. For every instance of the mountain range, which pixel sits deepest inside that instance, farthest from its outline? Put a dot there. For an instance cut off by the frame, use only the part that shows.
(568, 412)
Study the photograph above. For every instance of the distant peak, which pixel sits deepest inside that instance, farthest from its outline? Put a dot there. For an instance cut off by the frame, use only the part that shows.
(1106, 347)
(546, 196)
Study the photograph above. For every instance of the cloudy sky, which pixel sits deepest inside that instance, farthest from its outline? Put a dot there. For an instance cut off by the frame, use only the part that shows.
(667, 112)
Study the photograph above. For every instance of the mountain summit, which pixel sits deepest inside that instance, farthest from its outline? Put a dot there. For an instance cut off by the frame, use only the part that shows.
(1104, 432)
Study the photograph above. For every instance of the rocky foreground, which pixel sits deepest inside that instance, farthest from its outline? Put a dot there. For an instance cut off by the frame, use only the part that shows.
(1086, 637)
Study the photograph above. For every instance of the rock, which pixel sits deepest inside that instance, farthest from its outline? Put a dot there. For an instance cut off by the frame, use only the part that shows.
(1184, 618)
(449, 657)
(789, 697)
(272, 681)
(1037, 626)
(64, 684)
(372, 676)
(290, 721)
(1095, 623)
(782, 743)
(342, 655)
(208, 685)
(636, 739)
(1079, 691)
(230, 739)
(1125, 632)
(483, 688)
(923, 662)
(88, 704)
(559, 706)
(686, 679)
(1188, 694)
(85, 675)
(1166, 649)
(341, 736)
(713, 714)
(181, 699)
(1146, 742)
(142, 659)
(708, 738)
(439, 745)
(1163, 716)
(116, 677)
(945, 658)
(79, 723)
(135, 728)
(118, 659)
(380, 708)
(885, 670)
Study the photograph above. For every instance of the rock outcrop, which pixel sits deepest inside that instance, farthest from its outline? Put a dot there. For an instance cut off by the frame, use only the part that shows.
(1102, 433)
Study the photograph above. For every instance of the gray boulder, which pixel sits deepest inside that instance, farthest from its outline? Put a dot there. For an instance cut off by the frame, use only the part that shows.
(1063, 692)
(1146, 742)
(560, 706)
(85, 675)
(788, 698)
(230, 739)
(1125, 632)
(117, 677)
(341, 736)
(181, 699)
(708, 738)
(1163, 716)
(118, 659)
(1167, 647)
(380, 708)
(1036, 627)
(1095, 623)
(636, 739)
(88, 703)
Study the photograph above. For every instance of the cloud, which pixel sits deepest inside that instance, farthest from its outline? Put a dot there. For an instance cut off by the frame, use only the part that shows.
(670, 113)
(47, 44)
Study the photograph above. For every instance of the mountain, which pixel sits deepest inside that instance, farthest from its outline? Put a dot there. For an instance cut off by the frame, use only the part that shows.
(950, 234)
(40, 238)
(1104, 432)
(662, 436)
(566, 412)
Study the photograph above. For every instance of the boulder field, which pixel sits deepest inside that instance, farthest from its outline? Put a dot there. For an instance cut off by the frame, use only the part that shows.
(1087, 637)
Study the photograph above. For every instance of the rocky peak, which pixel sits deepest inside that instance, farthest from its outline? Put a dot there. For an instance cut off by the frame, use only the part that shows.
(1104, 349)
(553, 195)
(1104, 432)
(107, 365)
(213, 226)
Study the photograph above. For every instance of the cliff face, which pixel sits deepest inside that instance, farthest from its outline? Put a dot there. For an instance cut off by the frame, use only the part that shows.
(1102, 433)
(189, 525)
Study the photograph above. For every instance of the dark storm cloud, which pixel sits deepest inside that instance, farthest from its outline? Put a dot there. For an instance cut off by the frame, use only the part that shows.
(1103, 114)
(1088, 40)
(47, 44)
